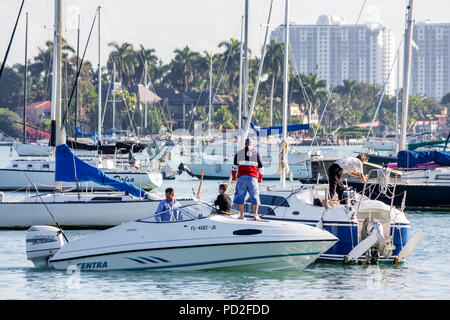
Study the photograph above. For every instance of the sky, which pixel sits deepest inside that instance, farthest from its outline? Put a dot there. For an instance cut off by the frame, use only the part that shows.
(166, 25)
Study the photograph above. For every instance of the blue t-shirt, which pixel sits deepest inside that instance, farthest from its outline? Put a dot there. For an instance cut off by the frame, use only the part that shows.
(165, 205)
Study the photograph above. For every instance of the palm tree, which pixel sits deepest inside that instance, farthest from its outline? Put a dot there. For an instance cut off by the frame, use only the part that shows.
(273, 64)
(231, 56)
(43, 64)
(146, 57)
(348, 89)
(314, 88)
(123, 55)
(183, 68)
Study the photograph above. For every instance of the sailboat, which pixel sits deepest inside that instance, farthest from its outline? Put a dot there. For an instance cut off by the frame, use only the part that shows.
(81, 209)
(369, 231)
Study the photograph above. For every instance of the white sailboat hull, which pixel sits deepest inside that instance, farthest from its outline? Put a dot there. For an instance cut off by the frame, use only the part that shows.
(71, 212)
(15, 179)
(223, 171)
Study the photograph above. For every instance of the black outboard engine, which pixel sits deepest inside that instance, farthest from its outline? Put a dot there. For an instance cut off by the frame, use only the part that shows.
(182, 167)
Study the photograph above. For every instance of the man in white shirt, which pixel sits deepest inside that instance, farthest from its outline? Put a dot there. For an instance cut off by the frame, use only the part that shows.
(350, 166)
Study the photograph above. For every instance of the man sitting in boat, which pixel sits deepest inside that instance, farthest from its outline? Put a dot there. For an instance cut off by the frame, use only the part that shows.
(350, 166)
(169, 205)
(248, 170)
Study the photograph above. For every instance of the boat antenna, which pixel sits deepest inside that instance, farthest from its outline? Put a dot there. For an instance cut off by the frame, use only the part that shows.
(48, 210)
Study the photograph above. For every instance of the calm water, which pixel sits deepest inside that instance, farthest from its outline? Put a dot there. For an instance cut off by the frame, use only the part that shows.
(426, 274)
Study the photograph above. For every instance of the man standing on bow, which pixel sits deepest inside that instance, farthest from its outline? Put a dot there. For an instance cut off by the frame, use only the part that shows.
(248, 170)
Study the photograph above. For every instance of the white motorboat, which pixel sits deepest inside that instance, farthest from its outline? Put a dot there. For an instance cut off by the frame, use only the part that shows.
(369, 231)
(202, 239)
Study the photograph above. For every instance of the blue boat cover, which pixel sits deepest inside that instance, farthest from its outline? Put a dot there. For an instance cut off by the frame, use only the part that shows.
(79, 133)
(278, 129)
(409, 159)
(69, 168)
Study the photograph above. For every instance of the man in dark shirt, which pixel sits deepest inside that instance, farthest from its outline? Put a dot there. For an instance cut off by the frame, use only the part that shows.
(223, 200)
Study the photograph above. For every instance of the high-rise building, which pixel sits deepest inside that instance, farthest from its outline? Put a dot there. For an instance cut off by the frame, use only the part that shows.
(430, 61)
(336, 51)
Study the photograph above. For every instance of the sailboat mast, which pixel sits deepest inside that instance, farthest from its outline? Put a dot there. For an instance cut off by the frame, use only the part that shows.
(146, 88)
(56, 80)
(114, 98)
(57, 72)
(285, 91)
(210, 94)
(406, 67)
(240, 76)
(245, 63)
(397, 96)
(99, 83)
(25, 81)
(78, 68)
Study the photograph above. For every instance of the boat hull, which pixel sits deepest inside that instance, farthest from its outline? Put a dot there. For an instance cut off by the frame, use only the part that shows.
(418, 197)
(16, 179)
(223, 171)
(75, 214)
(255, 256)
(347, 233)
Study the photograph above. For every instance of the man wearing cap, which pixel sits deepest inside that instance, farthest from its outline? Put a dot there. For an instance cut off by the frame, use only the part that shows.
(248, 170)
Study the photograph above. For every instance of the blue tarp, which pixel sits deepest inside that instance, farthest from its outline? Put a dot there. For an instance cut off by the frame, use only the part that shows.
(68, 166)
(409, 159)
(278, 129)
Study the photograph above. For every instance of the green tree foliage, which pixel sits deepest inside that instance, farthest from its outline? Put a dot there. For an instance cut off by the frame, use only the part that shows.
(10, 123)
(222, 119)
(11, 89)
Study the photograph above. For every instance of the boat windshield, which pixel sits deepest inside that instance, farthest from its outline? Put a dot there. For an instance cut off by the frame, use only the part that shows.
(184, 213)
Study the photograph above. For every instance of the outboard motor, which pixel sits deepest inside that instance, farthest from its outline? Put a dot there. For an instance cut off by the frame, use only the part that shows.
(182, 167)
(42, 242)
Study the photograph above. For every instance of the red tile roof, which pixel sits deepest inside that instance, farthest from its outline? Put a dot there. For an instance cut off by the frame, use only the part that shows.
(40, 104)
